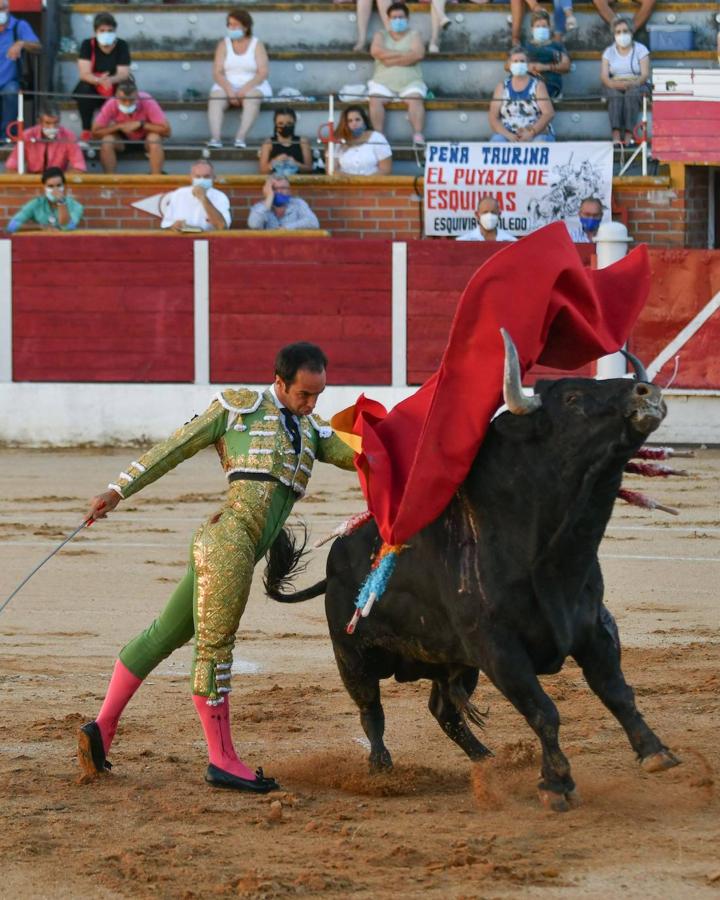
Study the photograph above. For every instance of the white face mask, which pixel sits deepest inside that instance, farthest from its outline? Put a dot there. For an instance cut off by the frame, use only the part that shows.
(50, 133)
(127, 108)
(518, 68)
(489, 221)
(54, 194)
(3, 18)
(541, 33)
(623, 39)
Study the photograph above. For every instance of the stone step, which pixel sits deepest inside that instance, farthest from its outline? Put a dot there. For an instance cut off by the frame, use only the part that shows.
(446, 120)
(170, 75)
(329, 26)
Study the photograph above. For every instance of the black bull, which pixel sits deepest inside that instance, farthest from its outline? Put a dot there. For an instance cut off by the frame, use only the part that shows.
(506, 580)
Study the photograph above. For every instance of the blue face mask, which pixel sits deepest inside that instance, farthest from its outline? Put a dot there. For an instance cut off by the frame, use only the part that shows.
(204, 183)
(106, 38)
(589, 224)
(281, 199)
(398, 25)
(356, 132)
(541, 34)
(236, 34)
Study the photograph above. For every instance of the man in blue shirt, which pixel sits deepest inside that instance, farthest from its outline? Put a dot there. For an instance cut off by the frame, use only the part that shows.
(15, 36)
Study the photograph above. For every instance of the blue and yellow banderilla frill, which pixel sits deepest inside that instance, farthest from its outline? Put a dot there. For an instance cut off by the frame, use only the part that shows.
(266, 477)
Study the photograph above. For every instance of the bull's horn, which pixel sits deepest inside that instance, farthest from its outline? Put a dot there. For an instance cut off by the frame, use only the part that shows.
(515, 398)
(640, 373)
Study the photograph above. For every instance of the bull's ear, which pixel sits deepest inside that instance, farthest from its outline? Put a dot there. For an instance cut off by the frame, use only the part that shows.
(522, 428)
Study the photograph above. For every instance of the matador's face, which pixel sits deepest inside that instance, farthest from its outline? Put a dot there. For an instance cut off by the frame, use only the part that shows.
(301, 395)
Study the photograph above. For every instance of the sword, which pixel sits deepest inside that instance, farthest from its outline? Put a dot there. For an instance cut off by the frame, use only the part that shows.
(86, 524)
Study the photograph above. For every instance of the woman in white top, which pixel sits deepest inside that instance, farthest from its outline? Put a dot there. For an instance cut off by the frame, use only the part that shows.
(362, 151)
(625, 74)
(240, 69)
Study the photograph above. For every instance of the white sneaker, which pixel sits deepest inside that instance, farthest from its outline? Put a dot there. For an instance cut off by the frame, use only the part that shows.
(214, 145)
(240, 145)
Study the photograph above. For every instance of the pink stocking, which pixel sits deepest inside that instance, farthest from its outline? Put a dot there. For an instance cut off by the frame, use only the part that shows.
(216, 725)
(123, 685)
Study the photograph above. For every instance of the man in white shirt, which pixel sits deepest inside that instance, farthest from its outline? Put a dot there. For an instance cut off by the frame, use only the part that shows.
(591, 213)
(200, 206)
(488, 216)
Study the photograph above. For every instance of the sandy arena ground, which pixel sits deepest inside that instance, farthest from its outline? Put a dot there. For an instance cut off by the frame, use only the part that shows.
(434, 827)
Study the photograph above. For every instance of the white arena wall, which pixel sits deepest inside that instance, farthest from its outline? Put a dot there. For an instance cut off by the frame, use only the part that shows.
(62, 414)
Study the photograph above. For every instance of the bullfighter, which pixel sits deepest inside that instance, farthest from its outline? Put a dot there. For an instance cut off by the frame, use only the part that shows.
(267, 442)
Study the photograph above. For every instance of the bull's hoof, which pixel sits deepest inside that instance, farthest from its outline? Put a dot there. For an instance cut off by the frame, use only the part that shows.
(658, 762)
(380, 762)
(559, 802)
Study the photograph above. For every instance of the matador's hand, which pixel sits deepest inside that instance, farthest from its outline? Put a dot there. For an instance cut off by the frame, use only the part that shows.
(104, 503)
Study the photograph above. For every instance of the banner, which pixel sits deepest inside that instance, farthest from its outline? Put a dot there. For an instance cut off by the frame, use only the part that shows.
(534, 184)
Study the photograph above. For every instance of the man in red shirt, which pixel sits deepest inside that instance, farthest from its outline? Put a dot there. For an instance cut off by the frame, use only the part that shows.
(131, 116)
(48, 145)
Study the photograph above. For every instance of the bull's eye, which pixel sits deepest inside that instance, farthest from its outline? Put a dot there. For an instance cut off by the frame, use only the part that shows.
(571, 399)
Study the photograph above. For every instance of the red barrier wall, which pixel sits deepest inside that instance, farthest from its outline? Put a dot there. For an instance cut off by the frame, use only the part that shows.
(683, 282)
(437, 275)
(102, 309)
(266, 293)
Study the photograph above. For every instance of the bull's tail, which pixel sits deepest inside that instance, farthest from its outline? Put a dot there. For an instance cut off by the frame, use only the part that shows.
(285, 561)
(464, 705)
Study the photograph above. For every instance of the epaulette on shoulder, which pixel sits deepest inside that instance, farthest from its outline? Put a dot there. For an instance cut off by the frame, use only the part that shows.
(323, 430)
(238, 402)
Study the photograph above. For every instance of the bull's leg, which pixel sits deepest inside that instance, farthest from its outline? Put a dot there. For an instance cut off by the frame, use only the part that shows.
(453, 723)
(512, 672)
(599, 658)
(364, 688)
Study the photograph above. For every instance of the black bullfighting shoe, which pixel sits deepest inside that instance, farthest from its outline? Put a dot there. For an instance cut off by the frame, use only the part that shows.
(91, 753)
(261, 785)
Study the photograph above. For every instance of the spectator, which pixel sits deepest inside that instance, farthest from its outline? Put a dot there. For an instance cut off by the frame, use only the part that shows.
(563, 17)
(361, 151)
(397, 52)
(547, 59)
(50, 211)
(521, 109)
(131, 116)
(488, 218)
(591, 213)
(604, 7)
(48, 145)
(15, 37)
(625, 74)
(103, 62)
(199, 206)
(285, 153)
(438, 20)
(279, 209)
(240, 70)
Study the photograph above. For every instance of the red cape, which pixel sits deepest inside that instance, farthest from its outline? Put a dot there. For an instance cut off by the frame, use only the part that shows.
(557, 312)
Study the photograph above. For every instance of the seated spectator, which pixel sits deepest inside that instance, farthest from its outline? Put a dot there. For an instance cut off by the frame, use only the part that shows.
(199, 206)
(625, 74)
(128, 118)
(488, 217)
(397, 52)
(604, 7)
(520, 109)
(591, 213)
(285, 153)
(240, 70)
(279, 209)
(438, 20)
(16, 36)
(103, 62)
(361, 151)
(51, 210)
(563, 17)
(48, 145)
(547, 59)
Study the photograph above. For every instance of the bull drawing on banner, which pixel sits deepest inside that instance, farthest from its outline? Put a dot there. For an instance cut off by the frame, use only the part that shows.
(506, 580)
(570, 184)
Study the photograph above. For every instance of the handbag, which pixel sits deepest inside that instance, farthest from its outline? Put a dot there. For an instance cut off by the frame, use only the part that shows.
(105, 90)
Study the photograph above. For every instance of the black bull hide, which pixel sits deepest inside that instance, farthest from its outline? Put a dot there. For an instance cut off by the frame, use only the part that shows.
(506, 581)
